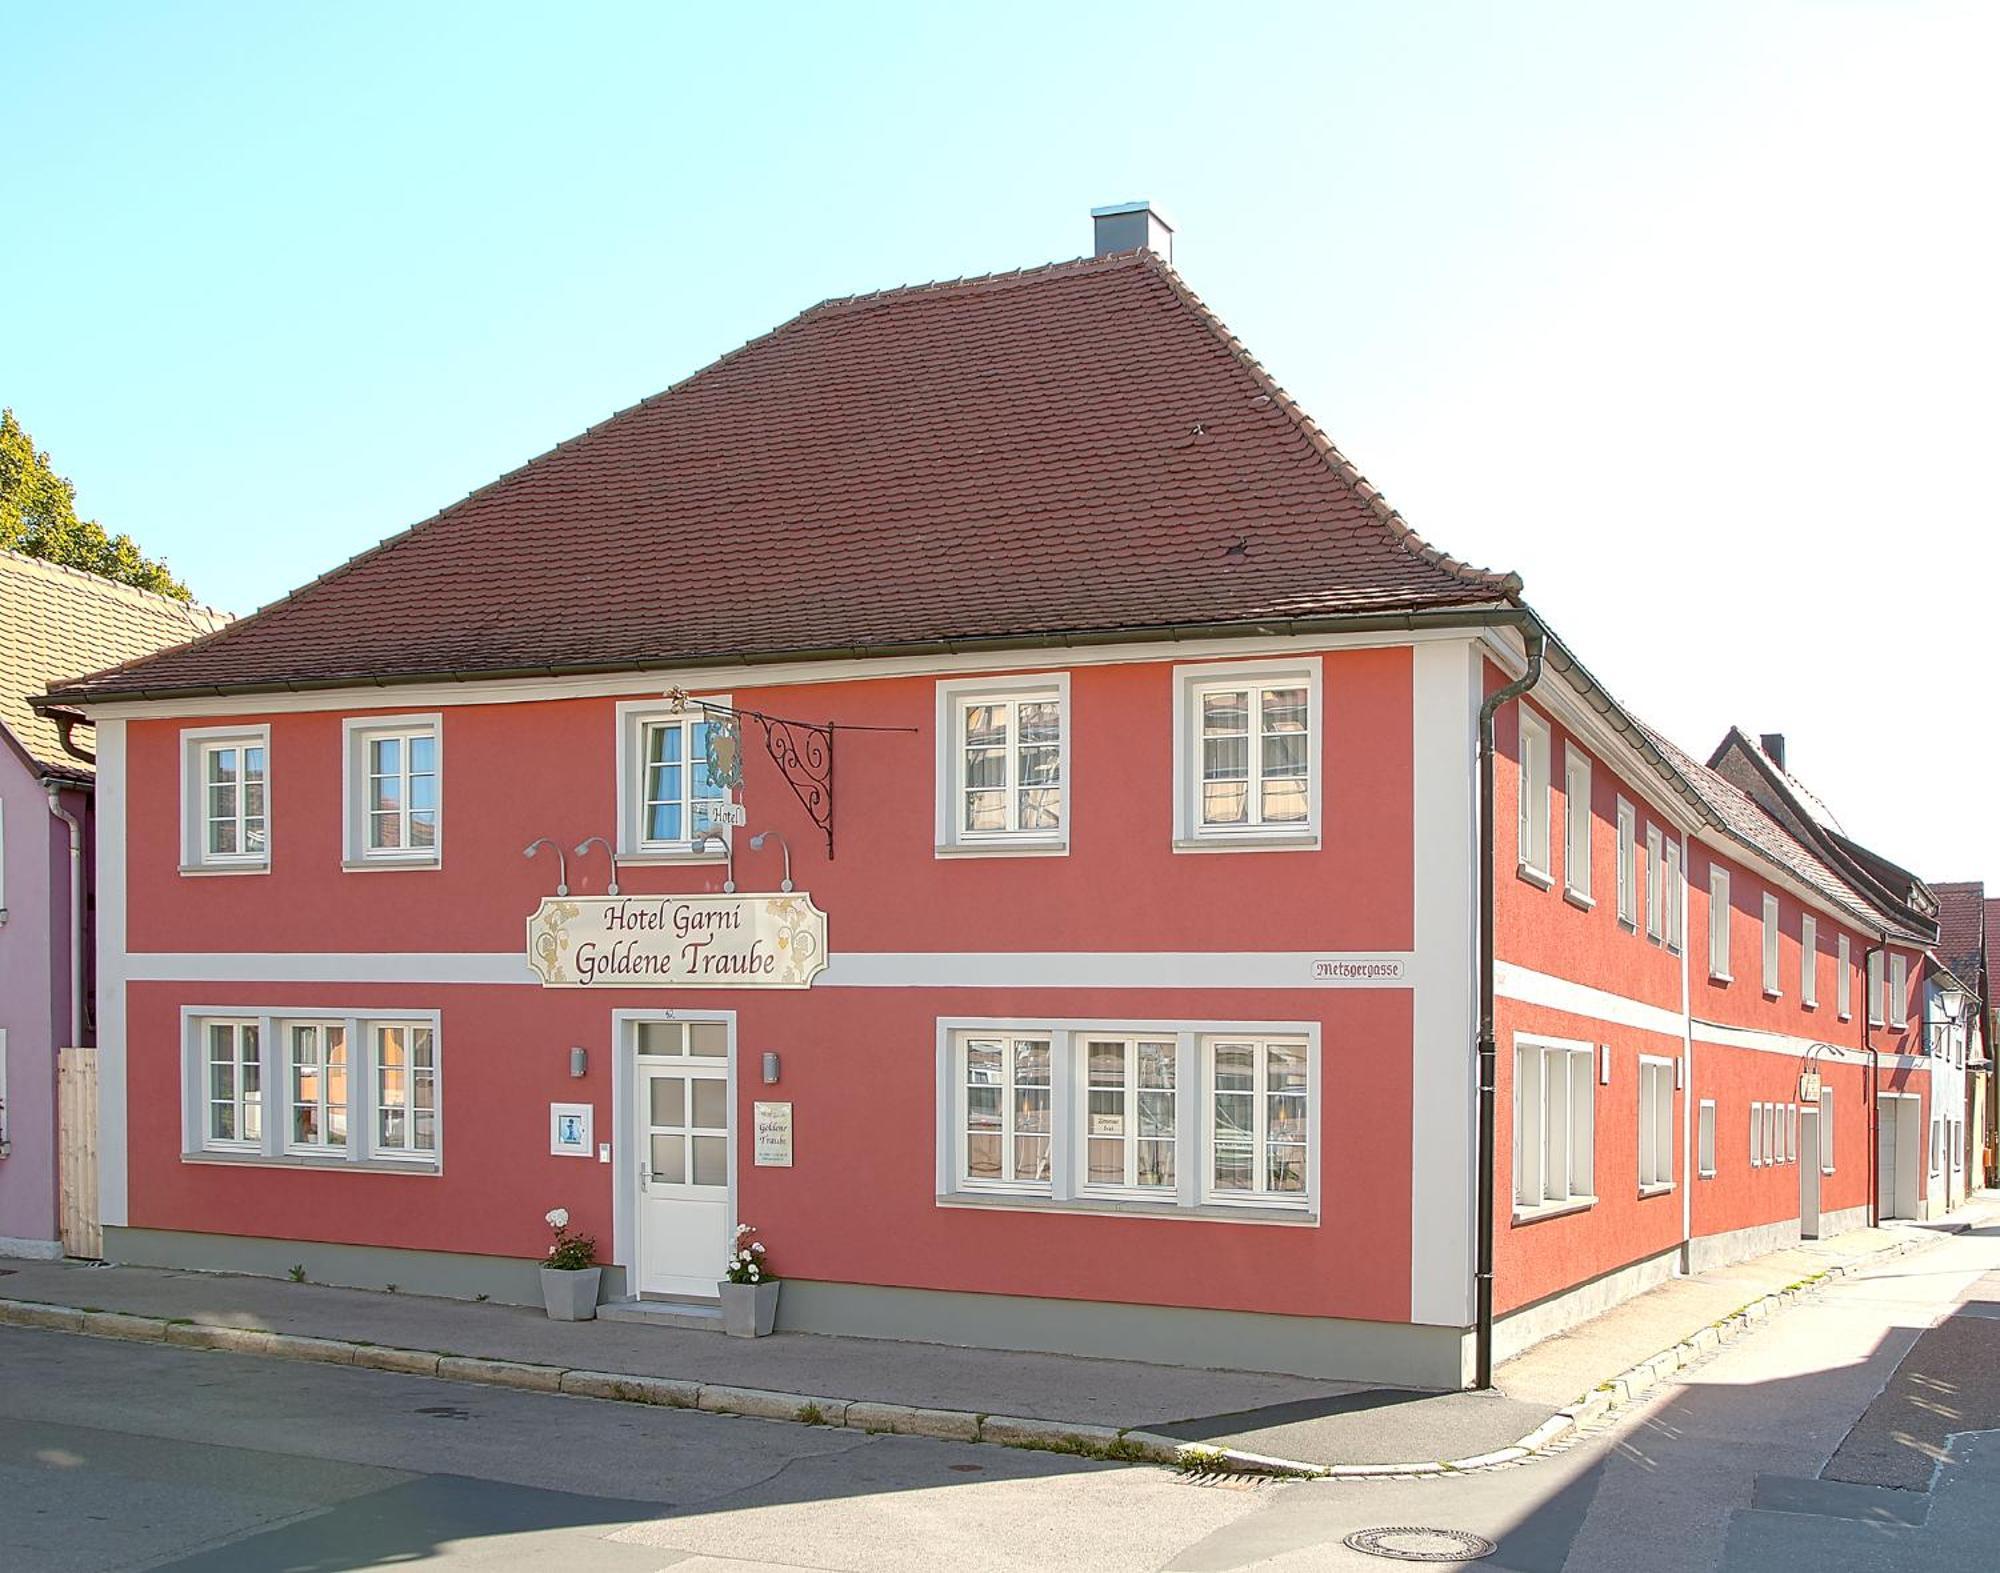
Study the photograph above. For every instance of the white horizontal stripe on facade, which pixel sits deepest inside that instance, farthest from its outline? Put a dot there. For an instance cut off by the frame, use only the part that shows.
(876, 970)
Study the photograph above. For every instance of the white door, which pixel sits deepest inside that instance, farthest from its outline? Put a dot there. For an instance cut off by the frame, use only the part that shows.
(1808, 1156)
(682, 1122)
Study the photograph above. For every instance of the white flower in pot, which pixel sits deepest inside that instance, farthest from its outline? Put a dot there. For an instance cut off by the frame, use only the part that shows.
(570, 1274)
(749, 1291)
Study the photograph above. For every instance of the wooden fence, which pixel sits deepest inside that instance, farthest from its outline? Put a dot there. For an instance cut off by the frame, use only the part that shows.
(76, 1095)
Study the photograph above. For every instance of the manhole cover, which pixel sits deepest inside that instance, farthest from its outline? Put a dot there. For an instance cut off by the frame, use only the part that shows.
(445, 1412)
(1413, 1543)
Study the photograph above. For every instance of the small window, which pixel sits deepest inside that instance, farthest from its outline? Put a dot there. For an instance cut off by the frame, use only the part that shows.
(1756, 1135)
(1875, 988)
(1937, 1145)
(669, 762)
(1628, 865)
(1248, 742)
(1004, 765)
(1718, 923)
(1770, 945)
(1957, 1145)
(403, 1058)
(1826, 1130)
(226, 801)
(1259, 1105)
(1705, 1139)
(1554, 1124)
(1899, 990)
(1532, 805)
(1676, 897)
(1656, 884)
(1130, 1119)
(395, 791)
(1770, 1133)
(1577, 822)
(1843, 978)
(316, 1055)
(1007, 1111)
(233, 1086)
(1809, 962)
(1656, 1123)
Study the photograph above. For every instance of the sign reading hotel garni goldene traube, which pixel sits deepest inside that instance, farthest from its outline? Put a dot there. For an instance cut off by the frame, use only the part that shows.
(753, 941)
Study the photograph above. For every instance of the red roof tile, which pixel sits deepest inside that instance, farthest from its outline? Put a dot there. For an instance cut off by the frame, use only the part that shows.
(1073, 450)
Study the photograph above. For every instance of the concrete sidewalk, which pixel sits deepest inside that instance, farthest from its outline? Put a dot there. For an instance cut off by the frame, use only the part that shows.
(1080, 1404)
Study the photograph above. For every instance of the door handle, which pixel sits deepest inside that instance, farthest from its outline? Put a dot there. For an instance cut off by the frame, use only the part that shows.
(645, 1173)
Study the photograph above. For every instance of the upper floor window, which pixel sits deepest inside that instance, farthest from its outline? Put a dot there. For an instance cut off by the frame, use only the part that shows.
(395, 791)
(226, 800)
(1718, 923)
(1843, 978)
(1809, 961)
(1628, 864)
(1899, 990)
(668, 794)
(1676, 897)
(1656, 883)
(1247, 738)
(1532, 830)
(1576, 825)
(1003, 764)
(1875, 988)
(1771, 945)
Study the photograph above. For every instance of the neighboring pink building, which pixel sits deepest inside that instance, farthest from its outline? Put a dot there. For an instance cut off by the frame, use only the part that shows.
(54, 623)
(1142, 999)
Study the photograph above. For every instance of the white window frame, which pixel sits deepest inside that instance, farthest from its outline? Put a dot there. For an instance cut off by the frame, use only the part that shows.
(1190, 682)
(1533, 801)
(634, 719)
(1656, 884)
(1656, 1083)
(1937, 1144)
(1877, 985)
(1809, 961)
(1826, 1129)
(1578, 826)
(1259, 1193)
(1011, 1040)
(1957, 1145)
(953, 698)
(1628, 865)
(357, 732)
(1843, 981)
(406, 1151)
(1719, 924)
(206, 1139)
(1899, 989)
(1773, 917)
(1756, 1134)
(1069, 1189)
(1676, 881)
(274, 1147)
(289, 1028)
(1705, 1139)
(1543, 1185)
(196, 743)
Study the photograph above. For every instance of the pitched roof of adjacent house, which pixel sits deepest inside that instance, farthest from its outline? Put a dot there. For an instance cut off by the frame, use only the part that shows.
(1074, 451)
(56, 622)
(1962, 929)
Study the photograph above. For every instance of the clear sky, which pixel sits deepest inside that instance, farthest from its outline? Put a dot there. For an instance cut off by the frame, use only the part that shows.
(1686, 312)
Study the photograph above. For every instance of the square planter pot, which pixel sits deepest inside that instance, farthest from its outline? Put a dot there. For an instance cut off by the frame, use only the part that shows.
(571, 1296)
(749, 1310)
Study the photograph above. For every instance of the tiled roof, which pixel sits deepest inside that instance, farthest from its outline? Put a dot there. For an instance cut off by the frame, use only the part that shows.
(1739, 816)
(1075, 450)
(1962, 928)
(57, 622)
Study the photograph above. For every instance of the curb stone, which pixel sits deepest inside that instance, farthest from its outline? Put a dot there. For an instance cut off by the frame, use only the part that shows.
(1091, 1441)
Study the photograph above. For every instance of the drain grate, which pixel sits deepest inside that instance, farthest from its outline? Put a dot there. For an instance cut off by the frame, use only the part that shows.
(1414, 1543)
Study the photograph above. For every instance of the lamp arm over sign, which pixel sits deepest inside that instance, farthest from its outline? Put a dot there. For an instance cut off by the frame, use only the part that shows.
(562, 863)
(757, 845)
(584, 846)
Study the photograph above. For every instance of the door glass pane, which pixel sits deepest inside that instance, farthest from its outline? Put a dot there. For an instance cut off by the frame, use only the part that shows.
(711, 1103)
(669, 1160)
(709, 1039)
(711, 1160)
(669, 1104)
(659, 1037)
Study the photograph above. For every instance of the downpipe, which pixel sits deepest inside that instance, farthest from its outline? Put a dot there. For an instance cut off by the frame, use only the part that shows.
(76, 909)
(1486, 1049)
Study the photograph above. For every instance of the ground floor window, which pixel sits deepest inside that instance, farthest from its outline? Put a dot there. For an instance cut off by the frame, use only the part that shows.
(1656, 1123)
(1554, 1123)
(1082, 1113)
(1705, 1140)
(324, 1088)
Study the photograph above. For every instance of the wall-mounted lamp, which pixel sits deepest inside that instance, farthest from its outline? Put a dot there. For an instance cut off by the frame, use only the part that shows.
(700, 844)
(562, 863)
(579, 1061)
(584, 846)
(770, 1067)
(757, 845)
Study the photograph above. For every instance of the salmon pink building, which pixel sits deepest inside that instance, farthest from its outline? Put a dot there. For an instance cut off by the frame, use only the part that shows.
(974, 784)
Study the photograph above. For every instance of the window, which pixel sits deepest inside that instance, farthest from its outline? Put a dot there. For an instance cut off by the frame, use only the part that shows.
(1554, 1124)
(1809, 962)
(1676, 897)
(1937, 1145)
(1003, 765)
(1008, 1091)
(1217, 1120)
(1532, 808)
(1129, 1113)
(1826, 1130)
(1770, 945)
(1656, 1123)
(404, 1065)
(317, 1055)
(1875, 988)
(1628, 861)
(1899, 990)
(1769, 1133)
(1656, 884)
(1248, 742)
(225, 800)
(235, 1081)
(1258, 1111)
(394, 791)
(1576, 825)
(1843, 979)
(1718, 923)
(666, 796)
(1788, 1132)
(1705, 1139)
(1957, 1145)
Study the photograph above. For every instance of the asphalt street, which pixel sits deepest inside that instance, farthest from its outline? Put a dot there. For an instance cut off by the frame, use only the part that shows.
(121, 1455)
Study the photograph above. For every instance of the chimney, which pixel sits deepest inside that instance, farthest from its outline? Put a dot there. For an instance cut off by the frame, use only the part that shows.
(1773, 744)
(1127, 226)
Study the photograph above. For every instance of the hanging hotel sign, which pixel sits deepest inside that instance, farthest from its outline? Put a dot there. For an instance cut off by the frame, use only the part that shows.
(767, 941)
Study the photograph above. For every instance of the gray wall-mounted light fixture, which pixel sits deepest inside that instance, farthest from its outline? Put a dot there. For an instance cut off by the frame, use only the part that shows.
(562, 863)
(757, 845)
(770, 1067)
(579, 1061)
(701, 844)
(584, 846)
